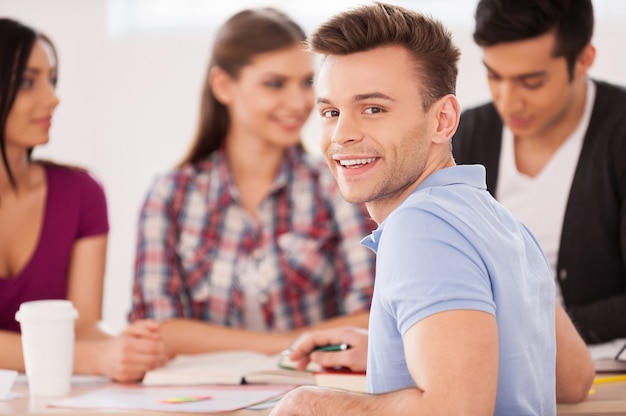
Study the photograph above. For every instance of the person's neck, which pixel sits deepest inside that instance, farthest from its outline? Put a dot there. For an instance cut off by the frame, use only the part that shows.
(254, 166)
(253, 160)
(20, 168)
(380, 209)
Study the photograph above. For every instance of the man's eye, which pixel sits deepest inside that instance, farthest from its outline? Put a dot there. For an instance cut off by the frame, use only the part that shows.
(330, 113)
(373, 110)
(532, 85)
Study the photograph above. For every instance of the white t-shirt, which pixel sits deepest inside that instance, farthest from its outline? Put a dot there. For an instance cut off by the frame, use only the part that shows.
(540, 201)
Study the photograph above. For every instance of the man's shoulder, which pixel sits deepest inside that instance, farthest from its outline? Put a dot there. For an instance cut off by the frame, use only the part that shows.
(479, 119)
(480, 115)
(610, 87)
(477, 138)
(609, 94)
(607, 126)
(485, 110)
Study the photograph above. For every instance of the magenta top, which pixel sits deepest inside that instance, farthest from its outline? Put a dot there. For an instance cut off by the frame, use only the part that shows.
(75, 208)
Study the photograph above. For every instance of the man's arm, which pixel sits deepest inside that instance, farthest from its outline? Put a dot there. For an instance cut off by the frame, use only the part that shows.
(574, 367)
(453, 358)
(451, 380)
(308, 400)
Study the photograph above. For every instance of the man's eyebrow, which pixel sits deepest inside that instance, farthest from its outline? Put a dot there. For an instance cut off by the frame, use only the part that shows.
(359, 97)
(518, 76)
(322, 100)
(369, 96)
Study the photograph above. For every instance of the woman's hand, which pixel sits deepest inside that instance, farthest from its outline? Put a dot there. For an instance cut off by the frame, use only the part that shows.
(137, 349)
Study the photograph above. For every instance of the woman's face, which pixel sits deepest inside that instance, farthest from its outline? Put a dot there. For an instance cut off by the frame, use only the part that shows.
(273, 97)
(30, 117)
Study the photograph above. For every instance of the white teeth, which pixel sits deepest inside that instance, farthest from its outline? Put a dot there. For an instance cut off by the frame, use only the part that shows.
(356, 162)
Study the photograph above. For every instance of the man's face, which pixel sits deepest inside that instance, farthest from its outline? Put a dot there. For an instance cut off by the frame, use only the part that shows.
(375, 134)
(531, 89)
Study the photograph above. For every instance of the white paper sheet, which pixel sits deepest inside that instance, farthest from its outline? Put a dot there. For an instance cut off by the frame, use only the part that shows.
(607, 349)
(7, 378)
(223, 398)
(77, 380)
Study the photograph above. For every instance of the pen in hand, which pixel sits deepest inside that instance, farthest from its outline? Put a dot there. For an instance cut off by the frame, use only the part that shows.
(331, 348)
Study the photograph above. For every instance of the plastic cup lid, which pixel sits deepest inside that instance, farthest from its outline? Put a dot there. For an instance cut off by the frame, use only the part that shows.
(46, 310)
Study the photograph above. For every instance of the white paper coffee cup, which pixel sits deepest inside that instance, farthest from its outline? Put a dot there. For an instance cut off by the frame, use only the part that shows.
(48, 345)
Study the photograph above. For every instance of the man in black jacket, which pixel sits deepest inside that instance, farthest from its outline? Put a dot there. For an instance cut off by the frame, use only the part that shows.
(553, 142)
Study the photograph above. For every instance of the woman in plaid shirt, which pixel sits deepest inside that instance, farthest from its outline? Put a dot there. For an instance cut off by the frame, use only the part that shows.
(248, 242)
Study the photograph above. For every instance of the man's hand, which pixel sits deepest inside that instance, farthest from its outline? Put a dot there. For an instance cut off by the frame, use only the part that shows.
(297, 402)
(354, 358)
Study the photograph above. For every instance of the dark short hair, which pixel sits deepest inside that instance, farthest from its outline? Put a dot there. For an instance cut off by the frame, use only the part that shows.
(499, 21)
(16, 44)
(368, 27)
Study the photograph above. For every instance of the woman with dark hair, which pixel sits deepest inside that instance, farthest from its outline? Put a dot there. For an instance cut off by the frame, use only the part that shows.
(249, 242)
(53, 221)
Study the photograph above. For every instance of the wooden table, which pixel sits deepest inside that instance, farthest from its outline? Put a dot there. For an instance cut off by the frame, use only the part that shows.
(606, 399)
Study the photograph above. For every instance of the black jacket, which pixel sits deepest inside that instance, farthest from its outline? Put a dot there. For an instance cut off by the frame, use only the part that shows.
(591, 265)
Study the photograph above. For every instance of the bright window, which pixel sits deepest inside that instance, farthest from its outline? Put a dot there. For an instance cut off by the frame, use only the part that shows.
(157, 16)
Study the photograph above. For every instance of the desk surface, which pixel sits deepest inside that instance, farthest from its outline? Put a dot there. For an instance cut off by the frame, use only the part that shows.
(607, 399)
(25, 405)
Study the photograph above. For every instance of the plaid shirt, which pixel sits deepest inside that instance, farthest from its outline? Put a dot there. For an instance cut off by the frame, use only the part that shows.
(196, 241)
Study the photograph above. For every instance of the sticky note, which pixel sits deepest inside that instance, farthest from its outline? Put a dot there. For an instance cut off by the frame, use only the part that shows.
(185, 399)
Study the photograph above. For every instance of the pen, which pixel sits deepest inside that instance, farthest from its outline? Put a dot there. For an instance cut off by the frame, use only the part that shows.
(331, 348)
(609, 379)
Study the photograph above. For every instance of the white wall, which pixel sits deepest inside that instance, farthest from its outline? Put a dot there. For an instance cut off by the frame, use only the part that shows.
(129, 105)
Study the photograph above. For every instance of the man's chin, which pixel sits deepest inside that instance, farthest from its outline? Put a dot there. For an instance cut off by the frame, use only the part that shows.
(352, 197)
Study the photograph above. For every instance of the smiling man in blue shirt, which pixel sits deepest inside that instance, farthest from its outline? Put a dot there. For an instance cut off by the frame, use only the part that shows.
(463, 319)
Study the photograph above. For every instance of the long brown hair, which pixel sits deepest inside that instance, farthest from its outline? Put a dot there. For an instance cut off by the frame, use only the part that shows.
(15, 48)
(246, 34)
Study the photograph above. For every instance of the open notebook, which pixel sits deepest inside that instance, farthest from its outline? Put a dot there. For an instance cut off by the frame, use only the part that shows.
(247, 367)
(609, 357)
(229, 367)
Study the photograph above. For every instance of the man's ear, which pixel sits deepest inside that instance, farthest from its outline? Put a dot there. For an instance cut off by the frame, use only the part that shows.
(447, 112)
(584, 61)
(221, 85)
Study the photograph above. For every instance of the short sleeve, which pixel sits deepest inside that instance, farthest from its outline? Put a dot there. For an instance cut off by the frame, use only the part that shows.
(431, 269)
(93, 208)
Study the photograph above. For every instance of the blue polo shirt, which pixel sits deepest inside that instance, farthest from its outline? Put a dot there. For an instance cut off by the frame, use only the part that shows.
(450, 245)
